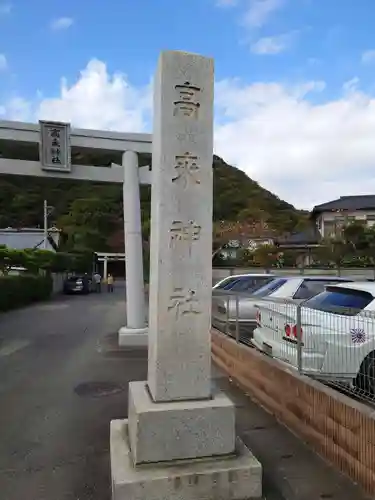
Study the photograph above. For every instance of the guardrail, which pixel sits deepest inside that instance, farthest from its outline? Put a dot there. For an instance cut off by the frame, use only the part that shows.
(314, 370)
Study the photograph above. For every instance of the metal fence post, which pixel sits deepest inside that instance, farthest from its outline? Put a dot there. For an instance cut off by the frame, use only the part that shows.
(227, 318)
(299, 337)
(237, 323)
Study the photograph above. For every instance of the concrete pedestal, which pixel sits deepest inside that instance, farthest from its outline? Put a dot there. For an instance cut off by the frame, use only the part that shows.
(237, 476)
(179, 430)
(133, 337)
(184, 450)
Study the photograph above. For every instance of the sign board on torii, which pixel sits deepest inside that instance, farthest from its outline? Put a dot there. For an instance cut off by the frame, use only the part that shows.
(54, 150)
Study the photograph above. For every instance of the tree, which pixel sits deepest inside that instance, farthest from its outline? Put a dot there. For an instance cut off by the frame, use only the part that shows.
(355, 236)
(34, 260)
(242, 231)
(333, 250)
(223, 232)
(266, 256)
(4, 259)
(361, 241)
(88, 224)
(370, 245)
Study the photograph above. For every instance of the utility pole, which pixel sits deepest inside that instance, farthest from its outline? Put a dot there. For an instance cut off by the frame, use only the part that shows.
(47, 210)
(45, 224)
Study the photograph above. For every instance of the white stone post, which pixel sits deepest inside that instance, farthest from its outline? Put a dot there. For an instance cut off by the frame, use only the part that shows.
(135, 331)
(105, 268)
(174, 418)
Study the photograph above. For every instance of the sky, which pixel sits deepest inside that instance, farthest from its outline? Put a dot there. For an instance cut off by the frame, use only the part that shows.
(294, 79)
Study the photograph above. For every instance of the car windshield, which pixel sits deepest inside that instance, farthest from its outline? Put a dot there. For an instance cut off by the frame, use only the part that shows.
(225, 283)
(229, 284)
(344, 301)
(270, 287)
(248, 283)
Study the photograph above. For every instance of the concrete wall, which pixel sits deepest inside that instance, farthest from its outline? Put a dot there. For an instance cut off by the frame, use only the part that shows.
(58, 283)
(219, 273)
(337, 427)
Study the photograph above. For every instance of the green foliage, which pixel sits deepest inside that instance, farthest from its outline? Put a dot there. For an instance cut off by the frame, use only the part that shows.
(289, 258)
(333, 251)
(354, 248)
(237, 197)
(265, 256)
(360, 241)
(18, 291)
(44, 260)
(219, 261)
(355, 235)
(90, 213)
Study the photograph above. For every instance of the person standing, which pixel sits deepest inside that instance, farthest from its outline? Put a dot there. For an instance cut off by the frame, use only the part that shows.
(98, 282)
(110, 281)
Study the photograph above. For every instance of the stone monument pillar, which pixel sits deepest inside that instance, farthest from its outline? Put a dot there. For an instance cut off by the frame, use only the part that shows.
(179, 440)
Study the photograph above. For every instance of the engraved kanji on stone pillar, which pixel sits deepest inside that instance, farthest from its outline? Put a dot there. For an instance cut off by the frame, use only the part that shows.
(181, 271)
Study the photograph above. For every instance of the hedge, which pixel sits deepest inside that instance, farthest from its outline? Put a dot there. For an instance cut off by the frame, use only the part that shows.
(35, 260)
(18, 291)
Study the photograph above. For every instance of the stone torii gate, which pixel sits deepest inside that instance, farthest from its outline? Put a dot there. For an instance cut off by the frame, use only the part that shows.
(53, 149)
(106, 257)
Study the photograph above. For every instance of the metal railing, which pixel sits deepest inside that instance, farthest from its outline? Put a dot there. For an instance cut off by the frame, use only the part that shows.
(231, 319)
(335, 346)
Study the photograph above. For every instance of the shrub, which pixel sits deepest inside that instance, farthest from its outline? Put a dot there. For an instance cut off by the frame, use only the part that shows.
(18, 291)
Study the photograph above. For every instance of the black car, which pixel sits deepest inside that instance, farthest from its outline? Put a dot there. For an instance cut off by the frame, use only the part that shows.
(78, 284)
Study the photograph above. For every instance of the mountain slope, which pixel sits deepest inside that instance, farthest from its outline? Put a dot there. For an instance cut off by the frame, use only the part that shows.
(237, 197)
(91, 214)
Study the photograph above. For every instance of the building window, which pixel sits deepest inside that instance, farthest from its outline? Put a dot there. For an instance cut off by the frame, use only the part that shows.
(340, 219)
(329, 229)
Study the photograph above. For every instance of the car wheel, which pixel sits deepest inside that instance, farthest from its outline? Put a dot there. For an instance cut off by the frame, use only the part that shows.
(365, 380)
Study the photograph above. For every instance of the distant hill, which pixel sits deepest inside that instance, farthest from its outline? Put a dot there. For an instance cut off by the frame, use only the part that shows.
(237, 197)
(91, 214)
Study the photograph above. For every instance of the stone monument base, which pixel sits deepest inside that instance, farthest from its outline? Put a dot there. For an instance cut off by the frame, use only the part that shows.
(178, 430)
(133, 337)
(237, 476)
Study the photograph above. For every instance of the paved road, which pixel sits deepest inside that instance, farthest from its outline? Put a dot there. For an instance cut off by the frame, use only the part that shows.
(54, 434)
(53, 441)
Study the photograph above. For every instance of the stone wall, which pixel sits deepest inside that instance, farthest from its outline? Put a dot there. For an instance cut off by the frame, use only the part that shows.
(337, 427)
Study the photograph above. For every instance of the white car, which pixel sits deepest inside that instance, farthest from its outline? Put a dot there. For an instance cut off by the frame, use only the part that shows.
(226, 313)
(337, 336)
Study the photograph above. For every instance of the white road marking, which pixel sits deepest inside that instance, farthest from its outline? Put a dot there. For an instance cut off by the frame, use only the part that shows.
(51, 307)
(13, 347)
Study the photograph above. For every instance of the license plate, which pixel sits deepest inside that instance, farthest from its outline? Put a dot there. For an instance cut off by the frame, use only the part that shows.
(267, 349)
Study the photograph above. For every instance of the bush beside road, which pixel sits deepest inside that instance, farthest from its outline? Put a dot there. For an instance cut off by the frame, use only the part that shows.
(18, 291)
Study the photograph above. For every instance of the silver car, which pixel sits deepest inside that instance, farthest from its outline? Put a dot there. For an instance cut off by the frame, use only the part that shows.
(235, 314)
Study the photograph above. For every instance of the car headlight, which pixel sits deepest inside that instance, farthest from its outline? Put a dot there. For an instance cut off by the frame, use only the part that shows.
(79, 282)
